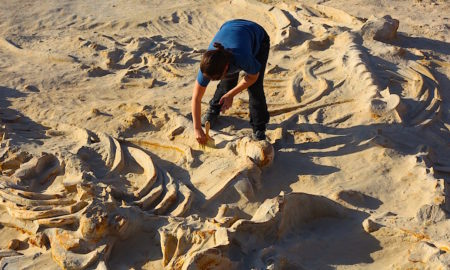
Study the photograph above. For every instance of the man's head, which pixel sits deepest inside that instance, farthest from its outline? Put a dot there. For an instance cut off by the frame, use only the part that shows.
(214, 64)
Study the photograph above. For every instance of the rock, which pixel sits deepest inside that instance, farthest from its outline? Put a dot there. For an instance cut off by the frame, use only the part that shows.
(444, 259)
(14, 244)
(245, 188)
(278, 135)
(150, 83)
(381, 29)
(113, 57)
(260, 152)
(94, 226)
(95, 111)
(185, 245)
(14, 160)
(227, 215)
(430, 213)
(175, 132)
(275, 69)
(31, 88)
(39, 169)
(384, 105)
(97, 72)
(370, 226)
(424, 252)
(39, 240)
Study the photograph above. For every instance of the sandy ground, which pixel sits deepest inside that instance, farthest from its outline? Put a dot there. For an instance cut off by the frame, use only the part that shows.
(100, 168)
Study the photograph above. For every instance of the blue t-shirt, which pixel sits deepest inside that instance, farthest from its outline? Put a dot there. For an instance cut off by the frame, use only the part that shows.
(243, 38)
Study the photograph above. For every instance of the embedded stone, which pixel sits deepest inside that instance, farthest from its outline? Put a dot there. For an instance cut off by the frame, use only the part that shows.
(370, 225)
(14, 244)
(430, 213)
(381, 29)
(423, 252)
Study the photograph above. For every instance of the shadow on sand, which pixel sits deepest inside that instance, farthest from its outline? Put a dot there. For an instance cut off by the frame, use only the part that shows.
(17, 126)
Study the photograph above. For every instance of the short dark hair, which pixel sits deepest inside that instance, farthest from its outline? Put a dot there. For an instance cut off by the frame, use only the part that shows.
(214, 62)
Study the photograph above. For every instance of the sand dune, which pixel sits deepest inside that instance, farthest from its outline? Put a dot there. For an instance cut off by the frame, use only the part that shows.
(100, 168)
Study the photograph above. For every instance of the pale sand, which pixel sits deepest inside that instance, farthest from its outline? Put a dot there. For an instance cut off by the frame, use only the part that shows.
(100, 168)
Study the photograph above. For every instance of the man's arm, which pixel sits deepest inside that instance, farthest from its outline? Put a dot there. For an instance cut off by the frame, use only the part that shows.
(246, 82)
(197, 95)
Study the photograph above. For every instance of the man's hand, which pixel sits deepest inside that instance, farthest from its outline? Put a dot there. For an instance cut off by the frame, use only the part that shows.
(200, 136)
(226, 101)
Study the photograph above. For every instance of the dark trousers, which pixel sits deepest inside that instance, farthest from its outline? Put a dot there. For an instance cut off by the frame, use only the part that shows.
(259, 115)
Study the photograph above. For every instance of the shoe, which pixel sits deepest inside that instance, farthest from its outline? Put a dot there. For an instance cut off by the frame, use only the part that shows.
(211, 117)
(259, 135)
